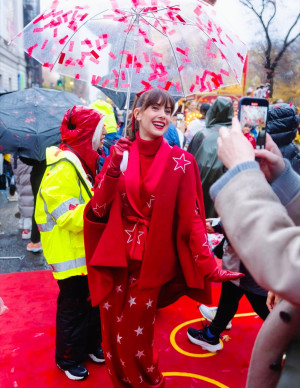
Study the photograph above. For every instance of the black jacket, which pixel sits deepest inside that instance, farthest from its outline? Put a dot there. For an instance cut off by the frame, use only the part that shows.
(282, 125)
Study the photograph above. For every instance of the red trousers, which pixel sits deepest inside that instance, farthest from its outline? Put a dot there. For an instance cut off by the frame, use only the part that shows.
(127, 317)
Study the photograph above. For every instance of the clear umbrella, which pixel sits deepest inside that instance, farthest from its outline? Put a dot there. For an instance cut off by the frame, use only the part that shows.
(132, 45)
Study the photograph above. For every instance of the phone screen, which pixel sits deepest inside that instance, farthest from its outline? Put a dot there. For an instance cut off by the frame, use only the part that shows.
(254, 115)
(253, 118)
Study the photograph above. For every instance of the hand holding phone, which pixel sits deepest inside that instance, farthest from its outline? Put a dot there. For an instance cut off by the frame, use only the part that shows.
(253, 113)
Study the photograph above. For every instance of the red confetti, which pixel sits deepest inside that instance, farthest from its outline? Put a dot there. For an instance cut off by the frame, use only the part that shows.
(71, 46)
(112, 55)
(181, 67)
(61, 58)
(77, 76)
(105, 83)
(44, 44)
(224, 72)
(96, 79)
(29, 51)
(63, 40)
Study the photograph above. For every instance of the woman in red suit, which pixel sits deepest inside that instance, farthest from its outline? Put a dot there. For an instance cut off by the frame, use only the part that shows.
(154, 246)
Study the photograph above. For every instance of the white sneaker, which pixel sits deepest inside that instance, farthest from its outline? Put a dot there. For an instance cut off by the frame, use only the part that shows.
(26, 234)
(209, 314)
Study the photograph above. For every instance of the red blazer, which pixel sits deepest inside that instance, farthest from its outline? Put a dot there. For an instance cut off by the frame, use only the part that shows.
(168, 261)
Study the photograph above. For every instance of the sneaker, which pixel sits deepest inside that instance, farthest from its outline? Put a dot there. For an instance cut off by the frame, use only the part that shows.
(97, 356)
(12, 198)
(75, 372)
(26, 234)
(199, 337)
(209, 314)
(34, 247)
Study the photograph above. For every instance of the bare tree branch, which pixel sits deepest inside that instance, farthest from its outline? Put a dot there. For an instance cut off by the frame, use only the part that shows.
(270, 65)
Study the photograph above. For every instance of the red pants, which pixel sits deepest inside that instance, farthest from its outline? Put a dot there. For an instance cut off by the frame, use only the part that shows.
(127, 317)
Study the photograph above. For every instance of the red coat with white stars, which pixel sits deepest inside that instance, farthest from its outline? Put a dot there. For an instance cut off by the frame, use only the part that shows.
(159, 221)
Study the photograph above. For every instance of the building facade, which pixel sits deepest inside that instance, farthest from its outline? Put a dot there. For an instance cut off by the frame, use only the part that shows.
(12, 59)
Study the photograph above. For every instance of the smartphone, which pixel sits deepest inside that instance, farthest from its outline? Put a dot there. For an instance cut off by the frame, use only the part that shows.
(253, 114)
(179, 118)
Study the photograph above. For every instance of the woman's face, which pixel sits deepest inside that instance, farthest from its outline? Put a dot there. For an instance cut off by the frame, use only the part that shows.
(153, 121)
(246, 129)
(193, 106)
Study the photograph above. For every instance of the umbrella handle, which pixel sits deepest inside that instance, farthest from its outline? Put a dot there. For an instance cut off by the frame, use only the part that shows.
(124, 163)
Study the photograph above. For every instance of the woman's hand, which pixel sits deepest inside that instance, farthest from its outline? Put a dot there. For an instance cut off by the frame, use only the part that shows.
(220, 276)
(209, 227)
(117, 151)
(271, 161)
(272, 300)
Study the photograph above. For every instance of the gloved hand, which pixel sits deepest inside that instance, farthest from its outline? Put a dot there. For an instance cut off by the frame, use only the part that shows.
(122, 145)
(218, 275)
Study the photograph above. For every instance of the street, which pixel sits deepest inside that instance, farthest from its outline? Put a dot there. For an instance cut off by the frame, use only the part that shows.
(13, 254)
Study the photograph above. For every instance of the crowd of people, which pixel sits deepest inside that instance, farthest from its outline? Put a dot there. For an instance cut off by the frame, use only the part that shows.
(160, 192)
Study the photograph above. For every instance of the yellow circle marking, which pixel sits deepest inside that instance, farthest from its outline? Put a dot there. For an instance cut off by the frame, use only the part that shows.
(209, 354)
(195, 376)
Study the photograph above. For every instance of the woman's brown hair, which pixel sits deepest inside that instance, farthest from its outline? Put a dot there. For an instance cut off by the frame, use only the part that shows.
(143, 101)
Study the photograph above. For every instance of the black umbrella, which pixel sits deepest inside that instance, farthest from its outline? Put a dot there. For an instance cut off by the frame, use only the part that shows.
(30, 120)
(119, 98)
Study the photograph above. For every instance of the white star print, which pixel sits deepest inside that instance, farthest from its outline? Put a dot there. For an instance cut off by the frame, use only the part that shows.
(109, 371)
(119, 338)
(205, 244)
(152, 198)
(131, 301)
(119, 289)
(139, 331)
(149, 303)
(140, 354)
(181, 163)
(196, 258)
(108, 355)
(141, 379)
(119, 319)
(99, 210)
(106, 305)
(100, 183)
(132, 279)
(122, 362)
(130, 234)
(151, 369)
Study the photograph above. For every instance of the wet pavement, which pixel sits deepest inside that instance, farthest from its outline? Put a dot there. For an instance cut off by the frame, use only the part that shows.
(13, 254)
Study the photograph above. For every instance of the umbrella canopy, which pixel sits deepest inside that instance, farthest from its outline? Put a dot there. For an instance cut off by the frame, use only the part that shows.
(30, 120)
(132, 45)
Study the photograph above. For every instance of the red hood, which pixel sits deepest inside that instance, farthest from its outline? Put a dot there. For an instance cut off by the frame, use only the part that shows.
(80, 138)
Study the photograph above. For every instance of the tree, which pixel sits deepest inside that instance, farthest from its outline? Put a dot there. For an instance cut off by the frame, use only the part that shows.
(266, 12)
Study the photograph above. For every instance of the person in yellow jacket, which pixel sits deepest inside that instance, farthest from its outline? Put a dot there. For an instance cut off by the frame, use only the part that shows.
(107, 110)
(65, 189)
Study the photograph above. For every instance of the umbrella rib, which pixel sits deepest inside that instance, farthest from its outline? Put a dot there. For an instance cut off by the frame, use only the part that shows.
(74, 34)
(129, 29)
(165, 35)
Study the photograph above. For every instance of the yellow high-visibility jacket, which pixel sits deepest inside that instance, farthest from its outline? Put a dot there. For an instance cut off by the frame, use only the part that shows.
(107, 110)
(63, 194)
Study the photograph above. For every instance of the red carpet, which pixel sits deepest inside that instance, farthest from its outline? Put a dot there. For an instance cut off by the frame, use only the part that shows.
(27, 340)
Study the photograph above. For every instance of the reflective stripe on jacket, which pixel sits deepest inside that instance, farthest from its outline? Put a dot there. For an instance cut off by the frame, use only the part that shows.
(63, 194)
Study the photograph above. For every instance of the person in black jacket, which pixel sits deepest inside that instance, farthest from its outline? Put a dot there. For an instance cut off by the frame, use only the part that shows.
(282, 125)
